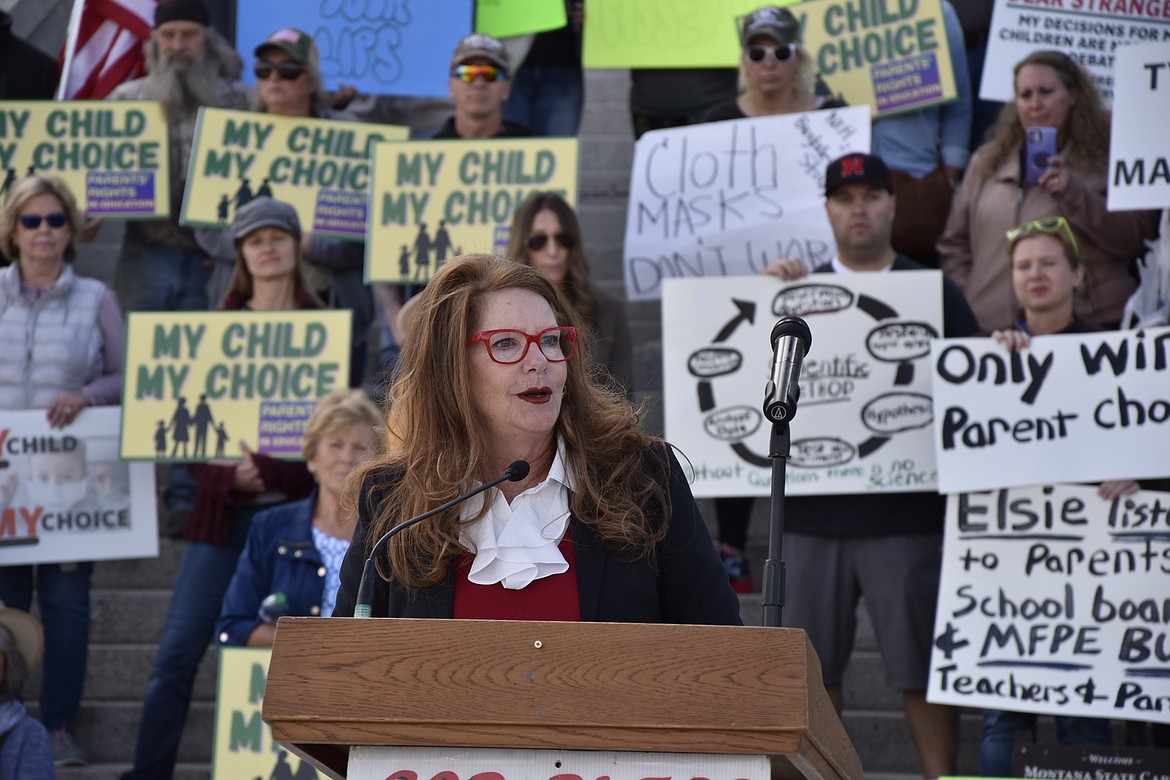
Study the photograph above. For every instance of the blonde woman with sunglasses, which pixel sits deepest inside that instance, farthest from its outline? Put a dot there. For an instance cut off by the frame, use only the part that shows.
(1046, 271)
(547, 236)
(1051, 91)
(62, 340)
(778, 75)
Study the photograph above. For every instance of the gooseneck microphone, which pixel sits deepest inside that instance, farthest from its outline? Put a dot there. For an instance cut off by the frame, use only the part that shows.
(516, 471)
(791, 340)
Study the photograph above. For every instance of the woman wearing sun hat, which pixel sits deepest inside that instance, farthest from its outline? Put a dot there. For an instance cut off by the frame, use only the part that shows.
(25, 750)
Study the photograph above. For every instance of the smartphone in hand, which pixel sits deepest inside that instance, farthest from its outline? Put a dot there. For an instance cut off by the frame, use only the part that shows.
(1039, 145)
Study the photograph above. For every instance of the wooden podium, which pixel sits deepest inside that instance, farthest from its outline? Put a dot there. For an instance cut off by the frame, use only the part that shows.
(340, 682)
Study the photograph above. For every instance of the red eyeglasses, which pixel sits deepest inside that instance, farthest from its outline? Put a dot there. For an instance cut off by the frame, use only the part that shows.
(505, 345)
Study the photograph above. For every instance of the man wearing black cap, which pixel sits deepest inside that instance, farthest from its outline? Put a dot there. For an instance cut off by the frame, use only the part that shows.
(885, 546)
(480, 86)
(188, 66)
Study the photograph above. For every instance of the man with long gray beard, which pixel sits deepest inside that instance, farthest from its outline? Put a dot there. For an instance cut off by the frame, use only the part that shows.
(188, 65)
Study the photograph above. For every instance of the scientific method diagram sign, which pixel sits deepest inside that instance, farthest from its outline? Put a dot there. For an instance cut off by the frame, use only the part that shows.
(65, 495)
(1072, 408)
(433, 200)
(863, 423)
(198, 384)
(243, 745)
(727, 198)
(1053, 600)
(1089, 31)
(113, 155)
(892, 56)
(320, 166)
(1139, 157)
(382, 47)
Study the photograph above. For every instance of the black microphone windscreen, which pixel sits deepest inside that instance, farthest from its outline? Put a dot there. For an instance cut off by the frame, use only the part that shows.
(517, 470)
(793, 326)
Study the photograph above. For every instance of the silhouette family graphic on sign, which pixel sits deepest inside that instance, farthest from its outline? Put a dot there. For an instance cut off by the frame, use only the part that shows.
(183, 424)
(283, 770)
(229, 204)
(10, 178)
(425, 248)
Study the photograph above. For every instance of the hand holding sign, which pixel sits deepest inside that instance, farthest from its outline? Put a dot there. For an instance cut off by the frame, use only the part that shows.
(247, 477)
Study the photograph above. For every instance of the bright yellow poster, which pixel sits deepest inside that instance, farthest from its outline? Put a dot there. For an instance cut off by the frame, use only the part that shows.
(197, 384)
(320, 166)
(433, 200)
(113, 155)
(665, 33)
(244, 747)
(892, 56)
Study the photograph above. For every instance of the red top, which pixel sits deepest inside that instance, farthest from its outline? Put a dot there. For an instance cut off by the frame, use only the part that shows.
(549, 598)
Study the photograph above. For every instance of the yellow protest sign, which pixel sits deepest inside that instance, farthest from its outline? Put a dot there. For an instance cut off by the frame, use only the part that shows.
(664, 34)
(114, 156)
(243, 742)
(320, 166)
(197, 383)
(433, 200)
(890, 55)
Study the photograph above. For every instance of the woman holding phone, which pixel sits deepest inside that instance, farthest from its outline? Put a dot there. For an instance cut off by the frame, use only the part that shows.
(1054, 98)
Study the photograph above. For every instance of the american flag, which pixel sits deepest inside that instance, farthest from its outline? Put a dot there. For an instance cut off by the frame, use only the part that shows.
(104, 47)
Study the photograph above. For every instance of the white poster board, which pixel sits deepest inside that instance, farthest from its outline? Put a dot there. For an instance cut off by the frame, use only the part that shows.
(65, 495)
(727, 198)
(1139, 155)
(417, 763)
(863, 420)
(1090, 31)
(1072, 408)
(1053, 600)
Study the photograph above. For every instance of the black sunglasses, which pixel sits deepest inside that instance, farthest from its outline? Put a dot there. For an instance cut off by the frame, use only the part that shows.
(537, 241)
(33, 221)
(287, 70)
(783, 52)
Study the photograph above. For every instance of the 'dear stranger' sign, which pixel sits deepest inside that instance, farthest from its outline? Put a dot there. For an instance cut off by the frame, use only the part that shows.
(434, 200)
(198, 383)
(114, 156)
(320, 166)
(65, 495)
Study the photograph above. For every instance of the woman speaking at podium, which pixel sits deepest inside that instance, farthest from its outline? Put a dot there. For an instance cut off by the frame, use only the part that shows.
(601, 526)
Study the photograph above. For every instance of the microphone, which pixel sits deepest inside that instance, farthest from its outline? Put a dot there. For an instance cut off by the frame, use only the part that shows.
(516, 471)
(791, 340)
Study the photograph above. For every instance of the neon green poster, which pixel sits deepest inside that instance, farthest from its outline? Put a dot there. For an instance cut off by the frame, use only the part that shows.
(503, 18)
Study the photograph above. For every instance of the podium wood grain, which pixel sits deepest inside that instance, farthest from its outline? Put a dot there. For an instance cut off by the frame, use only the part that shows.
(574, 686)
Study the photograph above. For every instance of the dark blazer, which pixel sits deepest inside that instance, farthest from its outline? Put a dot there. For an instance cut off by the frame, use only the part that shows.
(689, 585)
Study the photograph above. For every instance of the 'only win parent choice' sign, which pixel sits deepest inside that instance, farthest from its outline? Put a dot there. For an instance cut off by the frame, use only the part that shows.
(1072, 408)
(198, 383)
(114, 159)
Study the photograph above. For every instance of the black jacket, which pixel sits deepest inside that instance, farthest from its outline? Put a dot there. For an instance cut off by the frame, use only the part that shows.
(689, 586)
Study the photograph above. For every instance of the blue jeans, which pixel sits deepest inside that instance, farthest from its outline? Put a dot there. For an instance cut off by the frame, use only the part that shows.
(548, 100)
(63, 595)
(204, 575)
(156, 277)
(1000, 727)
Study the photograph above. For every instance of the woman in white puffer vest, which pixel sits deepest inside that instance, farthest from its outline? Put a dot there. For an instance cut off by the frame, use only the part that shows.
(62, 339)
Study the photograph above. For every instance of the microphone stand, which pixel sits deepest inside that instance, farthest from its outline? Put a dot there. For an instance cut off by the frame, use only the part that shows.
(773, 586)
